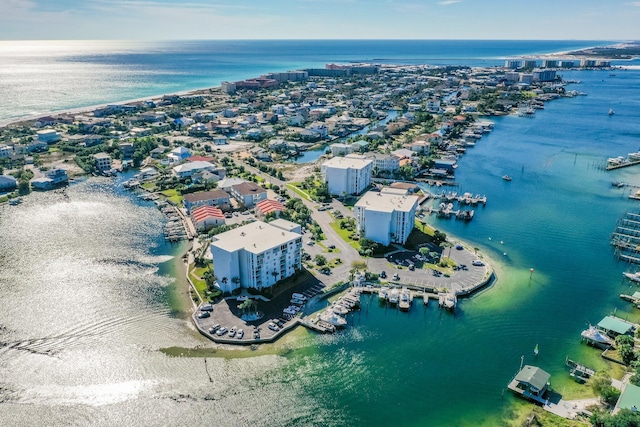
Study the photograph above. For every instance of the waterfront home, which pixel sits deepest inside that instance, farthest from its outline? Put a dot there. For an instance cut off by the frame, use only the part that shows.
(53, 178)
(256, 255)
(226, 183)
(186, 170)
(386, 216)
(103, 161)
(347, 175)
(205, 217)
(7, 182)
(248, 193)
(614, 326)
(217, 197)
(531, 383)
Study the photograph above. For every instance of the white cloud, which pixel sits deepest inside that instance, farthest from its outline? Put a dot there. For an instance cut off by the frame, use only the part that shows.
(448, 2)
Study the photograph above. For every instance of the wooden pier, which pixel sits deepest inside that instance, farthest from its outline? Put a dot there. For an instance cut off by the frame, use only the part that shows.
(610, 166)
(626, 238)
(578, 372)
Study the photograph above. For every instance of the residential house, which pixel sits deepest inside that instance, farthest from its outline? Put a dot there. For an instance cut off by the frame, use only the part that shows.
(218, 198)
(7, 182)
(6, 151)
(49, 136)
(178, 154)
(103, 161)
(267, 206)
(186, 170)
(205, 217)
(248, 193)
(384, 162)
(53, 178)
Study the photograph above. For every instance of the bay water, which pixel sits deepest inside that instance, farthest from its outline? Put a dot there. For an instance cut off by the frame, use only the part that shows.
(91, 303)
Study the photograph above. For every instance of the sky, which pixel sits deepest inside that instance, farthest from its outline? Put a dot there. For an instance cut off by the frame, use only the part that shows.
(615, 20)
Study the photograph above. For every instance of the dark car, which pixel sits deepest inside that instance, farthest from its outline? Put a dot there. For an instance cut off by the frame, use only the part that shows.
(383, 274)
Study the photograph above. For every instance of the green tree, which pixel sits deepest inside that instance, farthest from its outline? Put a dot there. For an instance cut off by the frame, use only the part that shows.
(320, 260)
(624, 344)
(367, 246)
(439, 237)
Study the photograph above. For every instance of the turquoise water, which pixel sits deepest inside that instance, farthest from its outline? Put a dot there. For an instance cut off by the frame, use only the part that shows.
(37, 77)
(85, 296)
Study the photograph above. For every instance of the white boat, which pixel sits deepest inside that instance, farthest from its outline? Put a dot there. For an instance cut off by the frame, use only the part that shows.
(383, 293)
(339, 309)
(448, 301)
(611, 112)
(595, 337)
(635, 277)
(333, 319)
(506, 177)
(394, 296)
(634, 157)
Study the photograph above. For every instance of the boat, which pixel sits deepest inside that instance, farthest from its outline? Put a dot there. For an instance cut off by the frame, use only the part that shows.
(536, 350)
(611, 112)
(333, 319)
(405, 299)
(383, 293)
(506, 177)
(634, 277)
(596, 338)
(339, 309)
(448, 301)
(394, 296)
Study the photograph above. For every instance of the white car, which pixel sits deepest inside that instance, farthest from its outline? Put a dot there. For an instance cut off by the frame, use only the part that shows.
(232, 332)
(220, 332)
(273, 327)
(477, 263)
(240, 334)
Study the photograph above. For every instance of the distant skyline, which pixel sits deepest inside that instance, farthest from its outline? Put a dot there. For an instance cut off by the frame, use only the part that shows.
(319, 19)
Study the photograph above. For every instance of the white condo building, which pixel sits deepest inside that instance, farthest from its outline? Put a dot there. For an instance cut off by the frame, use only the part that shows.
(347, 175)
(386, 216)
(257, 254)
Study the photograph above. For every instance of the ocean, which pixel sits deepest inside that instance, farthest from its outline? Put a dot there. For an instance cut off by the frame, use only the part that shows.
(37, 77)
(90, 299)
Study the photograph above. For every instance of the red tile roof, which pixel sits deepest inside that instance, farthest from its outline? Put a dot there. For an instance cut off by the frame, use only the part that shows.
(267, 206)
(200, 159)
(204, 212)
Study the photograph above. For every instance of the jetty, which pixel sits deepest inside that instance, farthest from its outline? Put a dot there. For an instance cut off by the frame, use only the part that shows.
(623, 162)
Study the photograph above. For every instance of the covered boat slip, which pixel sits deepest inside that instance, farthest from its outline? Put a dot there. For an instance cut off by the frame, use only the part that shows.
(614, 326)
(531, 383)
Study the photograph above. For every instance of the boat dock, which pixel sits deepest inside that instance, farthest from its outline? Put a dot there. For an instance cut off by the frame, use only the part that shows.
(178, 227)
(626, 238)
(578, 372)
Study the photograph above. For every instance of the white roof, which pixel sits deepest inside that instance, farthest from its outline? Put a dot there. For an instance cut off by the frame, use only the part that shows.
(228, 182)
(284, 224)
(197, 165)
(256, 237)
(181, 150)
(387, 201)
(348, 162)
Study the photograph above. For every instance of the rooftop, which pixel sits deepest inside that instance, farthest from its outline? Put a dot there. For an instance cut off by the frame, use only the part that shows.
(256, 237)
(348, 162)
(534, 376)
(388, 200)
(206, 195)
(203, 212)
(248, 188)
(619, 326)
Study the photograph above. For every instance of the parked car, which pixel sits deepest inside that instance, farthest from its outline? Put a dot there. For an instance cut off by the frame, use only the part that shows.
(396, 277)
(240, 334)
(459, 247)
(214, 328)
(477, 263)
(273, 326)
(203, 314)
(232, 332)
(412, 267)
(383, 274)
(220, 332)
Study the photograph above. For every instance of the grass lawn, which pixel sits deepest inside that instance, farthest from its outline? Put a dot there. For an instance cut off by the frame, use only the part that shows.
(200, 285)
(344, 234)
(149, 185)
(173, 196)
(300, 192)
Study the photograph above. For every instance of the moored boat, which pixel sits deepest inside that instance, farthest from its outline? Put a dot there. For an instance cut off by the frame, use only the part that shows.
(448, 301)
(596, 338)
(506, 177)
(635, 277)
